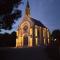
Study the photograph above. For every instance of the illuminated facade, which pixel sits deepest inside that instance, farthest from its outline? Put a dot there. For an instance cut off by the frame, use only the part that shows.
(31, 32)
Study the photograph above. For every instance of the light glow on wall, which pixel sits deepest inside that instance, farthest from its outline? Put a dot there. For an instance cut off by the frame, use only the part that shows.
(36, 41)
(30, 31)
(44, 32)
(22, 41)
(48, 34)
(17, 33)
(35, 31)
(30, 42)
(44, 41)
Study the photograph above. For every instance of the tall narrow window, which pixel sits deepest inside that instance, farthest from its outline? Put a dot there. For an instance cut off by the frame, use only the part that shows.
(30, 31)
(36, 41)
(44, 32)
(20, 41)
(30, 42)
(35, 31)
(48, 34)
(16, 42)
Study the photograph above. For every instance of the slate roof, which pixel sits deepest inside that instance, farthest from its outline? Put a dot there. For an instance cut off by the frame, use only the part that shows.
(36, 22)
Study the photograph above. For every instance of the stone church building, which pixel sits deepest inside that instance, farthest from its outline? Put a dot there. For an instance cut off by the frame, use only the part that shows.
(31, 32)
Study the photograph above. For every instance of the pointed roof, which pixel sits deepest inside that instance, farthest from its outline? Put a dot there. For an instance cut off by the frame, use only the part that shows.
(27, 10)
(37, 22)
(28, 4)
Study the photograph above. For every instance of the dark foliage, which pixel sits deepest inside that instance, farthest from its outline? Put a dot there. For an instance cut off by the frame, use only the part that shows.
(6, 8)
(9, 19)
(8, 40)
(56, 35)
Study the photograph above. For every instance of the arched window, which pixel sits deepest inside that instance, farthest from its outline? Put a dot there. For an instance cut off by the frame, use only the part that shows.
(25, 29)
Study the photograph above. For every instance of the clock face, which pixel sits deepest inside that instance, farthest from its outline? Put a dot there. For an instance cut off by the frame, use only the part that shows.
(25, 29)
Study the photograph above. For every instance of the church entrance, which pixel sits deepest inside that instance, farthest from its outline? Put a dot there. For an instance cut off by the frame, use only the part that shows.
(25, 41)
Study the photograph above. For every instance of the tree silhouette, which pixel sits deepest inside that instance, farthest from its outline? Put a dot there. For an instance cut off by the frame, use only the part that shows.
(8, 40)
(56, 36)
(6, 16)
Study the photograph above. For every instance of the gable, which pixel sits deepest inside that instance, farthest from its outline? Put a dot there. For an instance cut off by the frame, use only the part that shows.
(26, 22)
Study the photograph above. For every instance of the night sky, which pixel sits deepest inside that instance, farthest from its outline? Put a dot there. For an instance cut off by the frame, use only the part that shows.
(46, 11)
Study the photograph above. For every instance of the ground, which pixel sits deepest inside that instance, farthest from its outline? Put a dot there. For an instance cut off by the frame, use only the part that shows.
(29, 54)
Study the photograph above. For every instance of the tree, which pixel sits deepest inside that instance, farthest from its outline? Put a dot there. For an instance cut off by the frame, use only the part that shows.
(56, 36)
(8, 14)
(8, 40)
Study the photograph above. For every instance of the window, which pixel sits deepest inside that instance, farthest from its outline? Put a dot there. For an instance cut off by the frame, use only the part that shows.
(36, 41)
(35, 31)
(25, 29)
(30, 31)
(48, 34)
(30, 42)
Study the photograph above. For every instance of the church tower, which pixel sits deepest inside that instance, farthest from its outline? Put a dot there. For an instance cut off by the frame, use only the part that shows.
(27, 10)
(31, 32)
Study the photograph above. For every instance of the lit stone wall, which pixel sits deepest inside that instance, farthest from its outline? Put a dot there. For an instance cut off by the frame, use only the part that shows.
(44, 35)
(30, 42)
(20, 35)
(31, 37)
(41, 35)
(36, 35)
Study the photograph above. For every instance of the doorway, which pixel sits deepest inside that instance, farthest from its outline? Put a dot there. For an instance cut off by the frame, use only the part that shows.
(25, 41)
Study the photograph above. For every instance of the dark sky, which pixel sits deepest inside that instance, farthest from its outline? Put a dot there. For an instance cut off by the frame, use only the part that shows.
(46, 11)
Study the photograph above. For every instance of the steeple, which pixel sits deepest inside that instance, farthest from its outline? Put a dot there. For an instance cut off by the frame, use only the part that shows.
(27, 10)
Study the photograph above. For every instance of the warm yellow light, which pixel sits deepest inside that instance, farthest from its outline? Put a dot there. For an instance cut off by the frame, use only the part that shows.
(30, 31)
(48, 34)
(36, 41)
(35, 31)
(17, 33)
(44, 32)
(30, 42)
(17, 43)
(22, 41)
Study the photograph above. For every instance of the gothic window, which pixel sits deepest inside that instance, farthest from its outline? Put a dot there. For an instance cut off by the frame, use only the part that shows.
(35, 31)
(25, 29)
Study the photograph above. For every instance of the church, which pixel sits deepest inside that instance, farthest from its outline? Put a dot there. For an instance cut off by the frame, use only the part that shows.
(31, 32)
